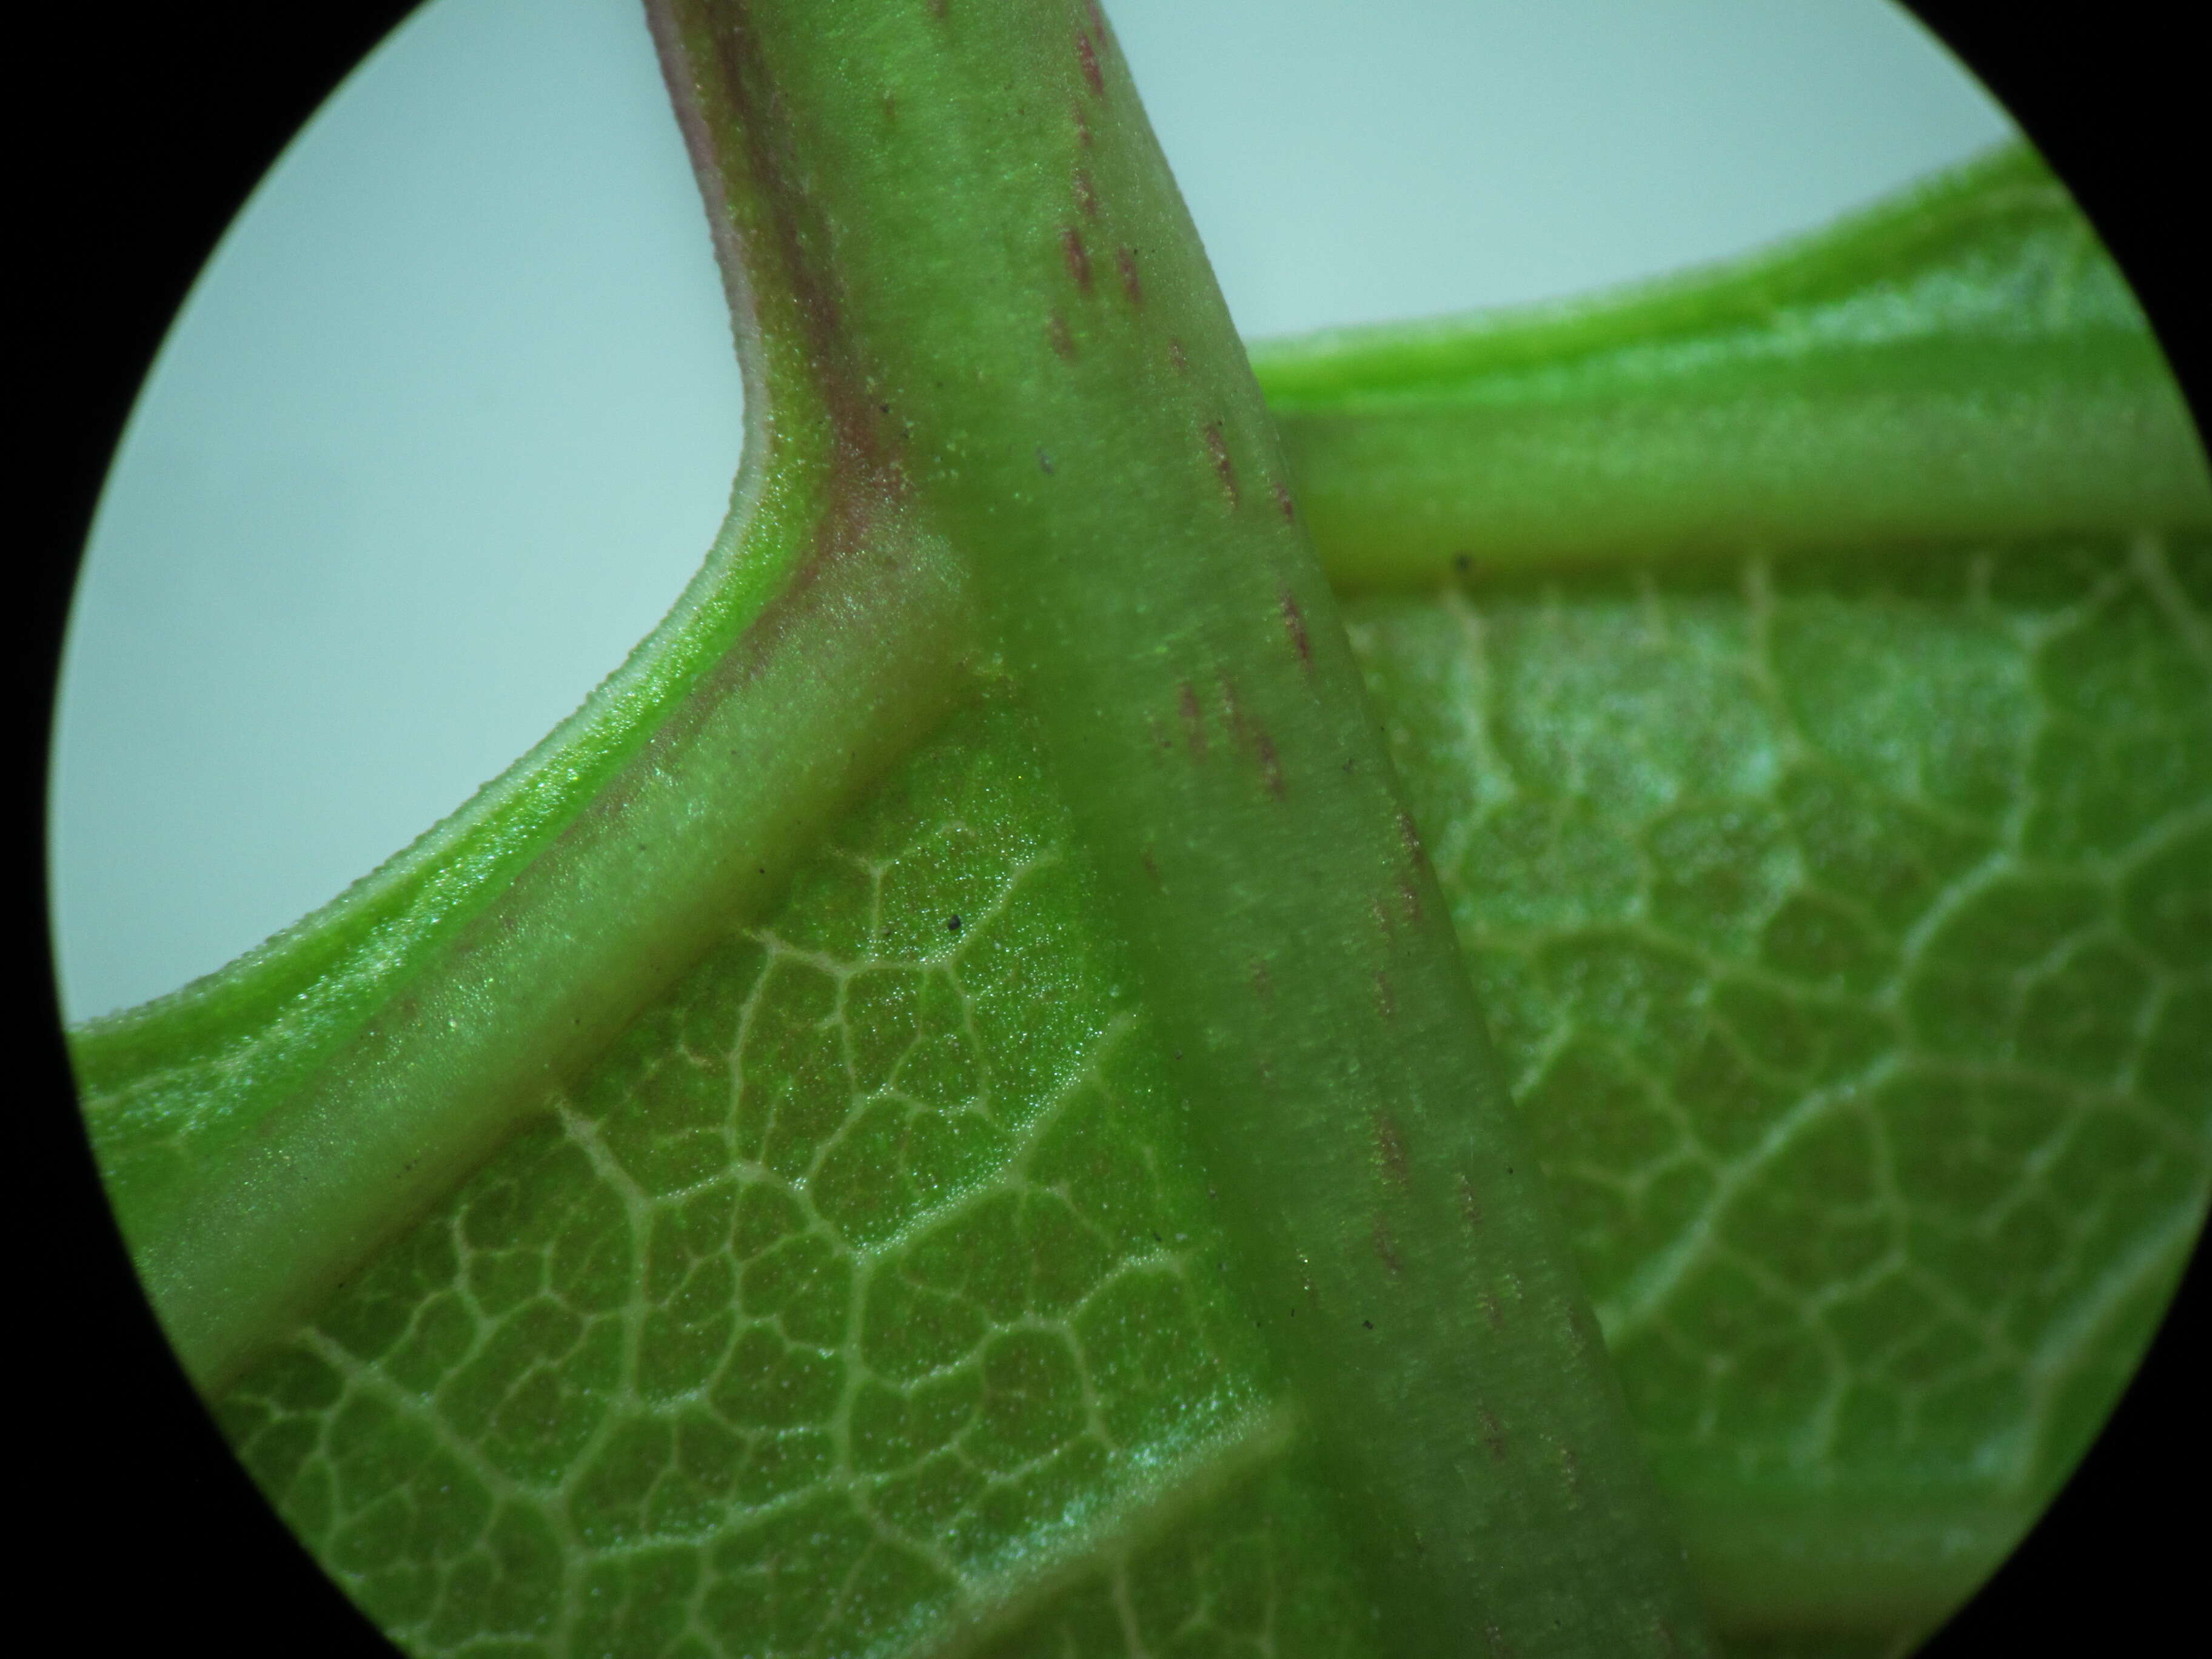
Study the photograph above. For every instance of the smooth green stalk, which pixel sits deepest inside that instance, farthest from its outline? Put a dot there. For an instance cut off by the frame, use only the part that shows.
(1963, 361)
(1069, 403)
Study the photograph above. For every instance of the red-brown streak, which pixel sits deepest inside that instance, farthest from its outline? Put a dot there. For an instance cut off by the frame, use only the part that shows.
(1089, 55)
(1076, 257)
(1194, 720)
(1126, 259)
(1383, 921)
(1383, 998)
(743, 79)
(1294, 622)
(1390, 1145)
(1232, 710)
(1151, 866)
(1271, 767)
(1492, 1311)
(1387, 1246)
(1082, 124)
(1063, 342)
(1493, 1432)
(1224, 467)
(1409, 894)
(1263, 982)
(1469, 1205)
(1412, 837)
(1283, 504)
(1086, 197)
(1175, 356)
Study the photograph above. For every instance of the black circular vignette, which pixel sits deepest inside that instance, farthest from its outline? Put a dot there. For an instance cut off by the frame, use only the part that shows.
(2111, 96)
(156, 124)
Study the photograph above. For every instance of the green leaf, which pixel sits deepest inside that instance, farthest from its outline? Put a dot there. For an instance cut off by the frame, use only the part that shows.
(1802, 896)
(867, 1273)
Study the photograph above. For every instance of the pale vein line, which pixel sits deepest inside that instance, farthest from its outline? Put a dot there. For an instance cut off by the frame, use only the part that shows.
(2054, 1359)
(1661, 1277)
(2146, 560)
(993, 1606)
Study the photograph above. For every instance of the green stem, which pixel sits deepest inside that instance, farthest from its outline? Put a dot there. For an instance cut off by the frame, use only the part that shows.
(1008, 297)
(1963, 361)
(266, 1129)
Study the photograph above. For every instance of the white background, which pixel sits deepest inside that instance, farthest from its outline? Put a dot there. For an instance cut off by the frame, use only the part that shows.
(452, 416)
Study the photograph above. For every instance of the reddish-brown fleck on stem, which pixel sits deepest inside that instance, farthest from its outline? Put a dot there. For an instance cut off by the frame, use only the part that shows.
(1087, 54)
(1411, 837)
(1086, 194)
(1386, 1248)
(1294, 623)
(1225, 468)
(1125, 260)
(1271, 766)
(1193, 719)
(1063, 342)
(1390, 1147)
(1409, 898)
(1076, 257)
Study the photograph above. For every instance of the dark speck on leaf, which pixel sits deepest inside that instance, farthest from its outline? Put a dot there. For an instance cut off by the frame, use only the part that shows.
(1367, 1324)
(1462, 562)
(952, 924)
(1044, 462)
